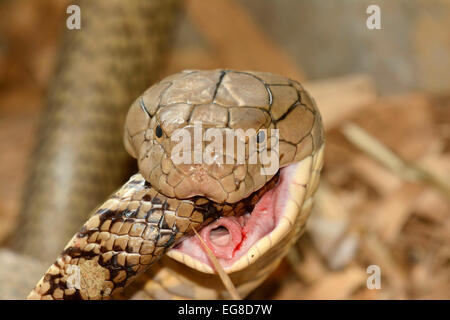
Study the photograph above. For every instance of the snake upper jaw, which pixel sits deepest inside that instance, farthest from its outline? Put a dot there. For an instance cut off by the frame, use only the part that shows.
(190, 168)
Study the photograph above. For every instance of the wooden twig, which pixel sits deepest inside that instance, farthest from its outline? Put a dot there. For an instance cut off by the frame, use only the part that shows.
(222, 274)
(411, 172)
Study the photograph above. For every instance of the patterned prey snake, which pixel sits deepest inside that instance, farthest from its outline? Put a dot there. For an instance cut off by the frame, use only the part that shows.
(249, 215)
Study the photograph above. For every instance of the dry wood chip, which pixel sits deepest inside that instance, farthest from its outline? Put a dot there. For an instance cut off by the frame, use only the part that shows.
(337, 285)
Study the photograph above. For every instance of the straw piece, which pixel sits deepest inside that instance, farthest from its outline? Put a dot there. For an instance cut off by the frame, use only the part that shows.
(377, 253)
(347, 281)
(408, 171)
(393, 212)
(375, 175)
(222, 274)
(306, 263)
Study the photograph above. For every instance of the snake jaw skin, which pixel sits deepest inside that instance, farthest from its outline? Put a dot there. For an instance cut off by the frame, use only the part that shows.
(278, 214)
(223, 100)
(145, 218)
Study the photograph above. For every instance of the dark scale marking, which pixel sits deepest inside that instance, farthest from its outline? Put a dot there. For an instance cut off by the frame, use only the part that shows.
(312, 140)
(86, 233)
(151, 218)
(129, 213)
(163, 92)
(162, 224)
(51, 279)
(156, 200)
(293, 83)
(222, 74)
(296, 103)
(143, 107)
(72, 252)
(139, 182)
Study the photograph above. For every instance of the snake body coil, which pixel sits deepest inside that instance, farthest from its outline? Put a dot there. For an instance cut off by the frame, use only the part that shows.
(79, 158)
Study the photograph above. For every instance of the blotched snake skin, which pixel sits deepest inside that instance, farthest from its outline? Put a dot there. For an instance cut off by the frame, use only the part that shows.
(158, 207)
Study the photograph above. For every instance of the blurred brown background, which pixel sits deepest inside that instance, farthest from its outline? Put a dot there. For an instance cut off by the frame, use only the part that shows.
(385, 98)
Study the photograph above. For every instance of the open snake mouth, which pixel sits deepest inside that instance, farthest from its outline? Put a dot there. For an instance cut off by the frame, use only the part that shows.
(157, 207)
(239, 241)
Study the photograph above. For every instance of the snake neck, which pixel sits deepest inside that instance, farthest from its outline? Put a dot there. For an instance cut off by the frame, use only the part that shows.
(127, 234)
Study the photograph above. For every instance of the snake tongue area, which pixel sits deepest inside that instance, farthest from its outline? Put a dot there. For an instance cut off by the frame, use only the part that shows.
(230, 238)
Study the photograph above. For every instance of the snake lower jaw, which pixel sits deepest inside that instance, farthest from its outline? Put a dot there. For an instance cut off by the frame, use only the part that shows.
(239, 241)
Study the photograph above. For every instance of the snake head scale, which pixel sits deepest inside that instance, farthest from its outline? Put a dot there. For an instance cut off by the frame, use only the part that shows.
(219, 134)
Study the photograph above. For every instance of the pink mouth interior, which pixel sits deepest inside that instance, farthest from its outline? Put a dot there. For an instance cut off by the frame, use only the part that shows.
(229, 238)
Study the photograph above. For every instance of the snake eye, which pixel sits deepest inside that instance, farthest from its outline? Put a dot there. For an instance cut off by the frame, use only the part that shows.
(260, 137)
(158, 132)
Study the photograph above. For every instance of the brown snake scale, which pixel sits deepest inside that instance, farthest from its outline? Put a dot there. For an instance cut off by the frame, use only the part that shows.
(160, 206)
